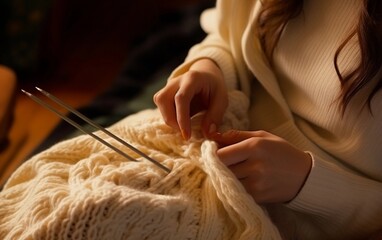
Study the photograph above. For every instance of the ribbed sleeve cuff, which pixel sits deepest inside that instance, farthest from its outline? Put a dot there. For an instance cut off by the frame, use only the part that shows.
(324, 191)
(338, 198)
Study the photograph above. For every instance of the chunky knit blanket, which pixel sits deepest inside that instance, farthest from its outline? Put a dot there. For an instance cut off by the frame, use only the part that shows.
(81, 189)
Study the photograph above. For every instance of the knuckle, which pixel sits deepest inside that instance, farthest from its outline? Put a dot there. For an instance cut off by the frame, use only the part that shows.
(255, 143)
(262, 133)
(156, 98)
(191, 74)
(259, 186)
(159, 97)
(180, 97)
(235, 133)
(260, 170)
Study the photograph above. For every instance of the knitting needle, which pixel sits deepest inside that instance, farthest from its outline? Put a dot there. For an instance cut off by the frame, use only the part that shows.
(92, 123)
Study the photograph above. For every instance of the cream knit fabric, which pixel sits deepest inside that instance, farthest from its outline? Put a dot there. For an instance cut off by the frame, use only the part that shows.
(80, 189)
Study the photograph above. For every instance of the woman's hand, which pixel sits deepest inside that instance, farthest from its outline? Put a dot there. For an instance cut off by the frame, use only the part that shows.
(201, 88)
(270, 169)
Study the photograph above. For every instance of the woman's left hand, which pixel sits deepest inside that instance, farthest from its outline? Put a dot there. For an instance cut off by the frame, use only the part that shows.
(270, 169)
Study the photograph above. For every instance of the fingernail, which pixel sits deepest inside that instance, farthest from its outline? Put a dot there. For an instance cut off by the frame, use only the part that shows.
(212, 128)
(215, 135)
(184, 135)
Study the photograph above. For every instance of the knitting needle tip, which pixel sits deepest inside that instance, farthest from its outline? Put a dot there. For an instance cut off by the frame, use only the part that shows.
(25, 92)
(39, 89)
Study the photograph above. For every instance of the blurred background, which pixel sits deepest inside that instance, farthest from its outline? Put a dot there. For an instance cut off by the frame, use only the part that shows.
(105, 58)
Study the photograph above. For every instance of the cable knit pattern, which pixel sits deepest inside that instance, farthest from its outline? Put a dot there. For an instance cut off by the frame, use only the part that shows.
(81, 189)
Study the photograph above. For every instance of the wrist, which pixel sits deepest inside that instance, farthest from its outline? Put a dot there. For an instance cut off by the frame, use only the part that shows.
(306, 168)
(206, 65)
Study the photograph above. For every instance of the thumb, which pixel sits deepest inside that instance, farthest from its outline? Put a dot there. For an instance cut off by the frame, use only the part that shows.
(230, 137)
(214, 115)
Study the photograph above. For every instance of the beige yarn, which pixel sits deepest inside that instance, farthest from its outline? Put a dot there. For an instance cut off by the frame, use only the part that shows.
(80, 189)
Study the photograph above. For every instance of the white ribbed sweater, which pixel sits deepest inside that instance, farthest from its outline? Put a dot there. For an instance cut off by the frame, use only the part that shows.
(342, 197)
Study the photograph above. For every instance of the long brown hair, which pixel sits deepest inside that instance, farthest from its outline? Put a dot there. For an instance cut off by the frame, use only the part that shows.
(275, 15)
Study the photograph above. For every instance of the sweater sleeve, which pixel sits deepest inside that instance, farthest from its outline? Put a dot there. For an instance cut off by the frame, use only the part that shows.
(215, 46)
(345, 203)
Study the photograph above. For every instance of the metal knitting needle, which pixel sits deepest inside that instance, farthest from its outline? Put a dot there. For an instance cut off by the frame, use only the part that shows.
(92, 123)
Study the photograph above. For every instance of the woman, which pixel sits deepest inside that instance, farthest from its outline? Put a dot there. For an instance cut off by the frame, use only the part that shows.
(311, 69)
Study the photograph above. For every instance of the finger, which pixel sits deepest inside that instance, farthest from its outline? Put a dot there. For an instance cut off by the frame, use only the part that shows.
(235, 153)
(164, 100)
(214, 114)
(231, 137)
(241, 170)
(183, 99)
(234, 136)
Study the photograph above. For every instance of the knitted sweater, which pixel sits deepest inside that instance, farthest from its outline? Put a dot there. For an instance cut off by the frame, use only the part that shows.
(81, 189)
(296, 100)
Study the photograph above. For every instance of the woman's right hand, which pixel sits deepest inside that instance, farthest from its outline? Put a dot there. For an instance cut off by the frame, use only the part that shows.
(201, 88)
